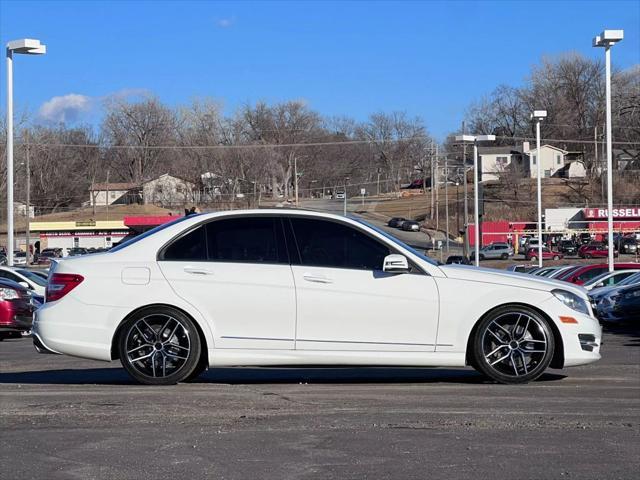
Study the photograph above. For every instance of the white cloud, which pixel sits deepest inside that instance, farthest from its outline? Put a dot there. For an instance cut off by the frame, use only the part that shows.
(225, 22)
(66, 108)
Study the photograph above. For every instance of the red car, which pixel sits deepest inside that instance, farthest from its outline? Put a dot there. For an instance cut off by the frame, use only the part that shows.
(16, 311)
(595, 250)
(586, 272)
(532, 254)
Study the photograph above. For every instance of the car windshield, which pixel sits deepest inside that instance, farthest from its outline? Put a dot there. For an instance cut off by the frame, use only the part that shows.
(148, 233)
(398, 242)
(35, 278)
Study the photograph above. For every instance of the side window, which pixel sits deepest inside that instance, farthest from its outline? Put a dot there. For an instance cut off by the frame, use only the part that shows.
(589, 274)
(323, 243)
(246, 240)
(191, 246)
(9, 276)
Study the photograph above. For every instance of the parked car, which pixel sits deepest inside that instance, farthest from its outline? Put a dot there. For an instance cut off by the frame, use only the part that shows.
(493, 251)
(457, 259)
(20, 258)
(608, 279)
(585, 273)
(396, 222)
(562, 271)
(584, 238)
(628, 245)
(620, 305)
(16, 310)
(568, 247)
(24, 277)
(521, 268)
(292, 287)
(532, 254)
(410, 226)
(46, 257)
(547, 271)
(340, 195)
(595, 250)
(77, 251)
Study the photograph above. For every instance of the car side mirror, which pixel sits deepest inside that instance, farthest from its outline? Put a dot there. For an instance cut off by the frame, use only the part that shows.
(395, 263)
(25, 285)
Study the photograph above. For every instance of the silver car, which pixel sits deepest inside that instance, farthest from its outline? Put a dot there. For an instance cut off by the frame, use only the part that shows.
(495, 251)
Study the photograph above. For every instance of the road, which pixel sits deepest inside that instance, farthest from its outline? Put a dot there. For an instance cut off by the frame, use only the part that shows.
(66, 418)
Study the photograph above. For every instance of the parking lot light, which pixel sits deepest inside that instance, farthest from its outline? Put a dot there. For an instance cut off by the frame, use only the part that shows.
(475, 139)
(538, 116)
(607, 39)
(25, 46)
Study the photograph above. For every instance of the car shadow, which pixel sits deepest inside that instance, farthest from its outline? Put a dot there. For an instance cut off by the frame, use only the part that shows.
(245, 375)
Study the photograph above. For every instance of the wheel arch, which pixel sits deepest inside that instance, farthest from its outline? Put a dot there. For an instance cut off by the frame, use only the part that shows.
(204, 353)
(558, 354)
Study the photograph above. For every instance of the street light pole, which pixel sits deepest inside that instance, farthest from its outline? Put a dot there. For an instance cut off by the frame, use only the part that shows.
(25, 46)
(539, 115)
(607, 39)
(475, 139)
(28, 225)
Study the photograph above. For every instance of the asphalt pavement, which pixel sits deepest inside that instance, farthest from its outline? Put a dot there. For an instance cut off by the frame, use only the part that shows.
(67, 418)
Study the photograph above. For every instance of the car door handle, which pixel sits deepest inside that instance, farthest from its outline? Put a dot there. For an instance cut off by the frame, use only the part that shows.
(316, 278)
(198, 271)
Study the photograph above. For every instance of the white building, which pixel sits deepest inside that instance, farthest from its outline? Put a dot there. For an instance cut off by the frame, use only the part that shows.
(113, 193)
(495, 161)
(551, 160)
(168, 190)
(20, 210)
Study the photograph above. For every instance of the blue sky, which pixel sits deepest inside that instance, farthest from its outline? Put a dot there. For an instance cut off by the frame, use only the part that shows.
(431, 59)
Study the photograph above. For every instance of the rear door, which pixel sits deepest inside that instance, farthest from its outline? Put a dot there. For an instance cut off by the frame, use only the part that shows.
(236, 272)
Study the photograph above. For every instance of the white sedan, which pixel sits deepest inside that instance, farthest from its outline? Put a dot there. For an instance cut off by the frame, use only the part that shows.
(286, 287)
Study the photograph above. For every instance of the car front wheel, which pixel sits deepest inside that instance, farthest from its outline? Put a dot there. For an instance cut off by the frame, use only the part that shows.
(513, 344)
(159, 346)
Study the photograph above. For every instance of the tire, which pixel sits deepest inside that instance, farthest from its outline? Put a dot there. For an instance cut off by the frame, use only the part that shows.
(481, 257)
(512, 344)
(159, 346)
(534, 258)
(588, 255)
(504, 256)
(556, 257)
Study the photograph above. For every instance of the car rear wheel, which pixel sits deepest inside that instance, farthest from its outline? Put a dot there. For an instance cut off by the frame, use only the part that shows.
(513, 344)
(504, 256)
(556, 257)
(534, 258)
(588, 255)
(159, 346)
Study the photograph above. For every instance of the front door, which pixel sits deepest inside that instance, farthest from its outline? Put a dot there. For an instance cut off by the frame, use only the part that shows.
(345, 301)
(237, 274)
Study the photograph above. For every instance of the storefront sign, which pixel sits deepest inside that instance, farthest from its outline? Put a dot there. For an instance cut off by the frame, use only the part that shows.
(602, 213)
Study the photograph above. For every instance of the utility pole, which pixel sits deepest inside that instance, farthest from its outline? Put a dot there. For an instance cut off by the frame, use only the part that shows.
(107, 200)
(437, 192)
(433, 198)
(28, 226)
(295, 174)
(465, 224)
(446, 198)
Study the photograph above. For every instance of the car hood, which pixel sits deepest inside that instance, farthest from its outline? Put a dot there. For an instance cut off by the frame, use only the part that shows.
(504, 277)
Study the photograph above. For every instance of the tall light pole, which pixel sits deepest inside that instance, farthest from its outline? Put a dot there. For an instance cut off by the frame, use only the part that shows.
(25, 46)
(475, 139)
(538, 116)
(607, 39)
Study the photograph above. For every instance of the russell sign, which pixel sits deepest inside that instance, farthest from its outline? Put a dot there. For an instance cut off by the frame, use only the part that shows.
(618, 213)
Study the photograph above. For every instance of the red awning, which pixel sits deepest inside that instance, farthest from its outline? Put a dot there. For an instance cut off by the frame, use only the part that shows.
(148, 220)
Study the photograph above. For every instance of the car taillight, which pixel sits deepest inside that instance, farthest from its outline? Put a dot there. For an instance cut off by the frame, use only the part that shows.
(60, 284)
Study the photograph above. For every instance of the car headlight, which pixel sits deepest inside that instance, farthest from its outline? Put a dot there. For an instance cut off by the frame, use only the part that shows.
(8, 294)
(572, 301)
